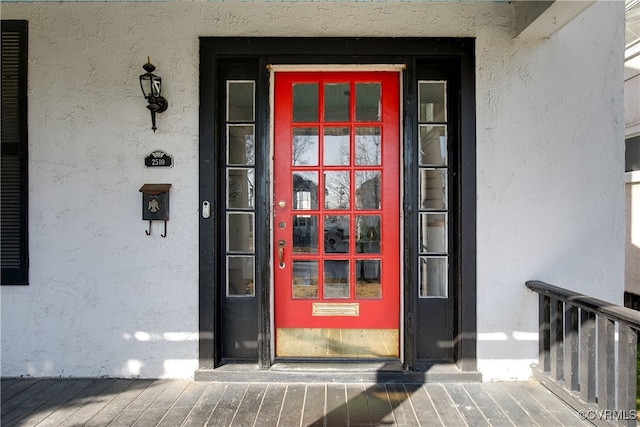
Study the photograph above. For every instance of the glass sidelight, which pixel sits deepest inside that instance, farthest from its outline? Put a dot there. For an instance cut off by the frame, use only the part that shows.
(433, 188)
(240, 188)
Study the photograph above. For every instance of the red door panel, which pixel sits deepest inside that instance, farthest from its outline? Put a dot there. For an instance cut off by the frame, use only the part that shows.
(336, 200)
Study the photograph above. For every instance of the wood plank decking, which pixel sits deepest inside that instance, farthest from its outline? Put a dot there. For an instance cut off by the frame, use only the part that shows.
(121, 402)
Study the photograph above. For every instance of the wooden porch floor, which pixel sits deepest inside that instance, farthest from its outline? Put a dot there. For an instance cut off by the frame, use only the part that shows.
(120, 402)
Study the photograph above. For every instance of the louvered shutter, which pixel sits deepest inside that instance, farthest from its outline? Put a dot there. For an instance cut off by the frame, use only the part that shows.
(13, 169)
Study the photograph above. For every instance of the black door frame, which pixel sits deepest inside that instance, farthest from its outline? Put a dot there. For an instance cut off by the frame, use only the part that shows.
(455, 53)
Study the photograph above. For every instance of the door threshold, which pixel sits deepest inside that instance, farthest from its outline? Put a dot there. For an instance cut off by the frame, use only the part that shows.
(390, 365)
(336, 372)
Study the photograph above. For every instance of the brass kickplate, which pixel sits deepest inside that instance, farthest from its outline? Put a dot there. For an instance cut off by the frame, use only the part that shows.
(336, 309)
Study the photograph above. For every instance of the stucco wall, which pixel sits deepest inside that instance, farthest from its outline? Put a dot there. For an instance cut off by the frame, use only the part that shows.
(550, 179)
(105, 299)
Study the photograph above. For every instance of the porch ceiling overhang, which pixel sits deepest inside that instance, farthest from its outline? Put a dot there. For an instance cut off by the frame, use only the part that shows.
(544, 18)
(533, 18)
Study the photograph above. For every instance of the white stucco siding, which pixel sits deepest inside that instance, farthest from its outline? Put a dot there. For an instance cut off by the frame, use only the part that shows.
(550, 178)
(105, 299)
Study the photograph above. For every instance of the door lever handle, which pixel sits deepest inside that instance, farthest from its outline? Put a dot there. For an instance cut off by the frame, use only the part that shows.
(281, 244)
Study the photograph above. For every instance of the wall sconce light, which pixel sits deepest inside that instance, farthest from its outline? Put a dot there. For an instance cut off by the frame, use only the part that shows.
(151, 86)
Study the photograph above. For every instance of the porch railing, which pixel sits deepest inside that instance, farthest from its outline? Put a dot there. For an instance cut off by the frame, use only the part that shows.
(578, 357)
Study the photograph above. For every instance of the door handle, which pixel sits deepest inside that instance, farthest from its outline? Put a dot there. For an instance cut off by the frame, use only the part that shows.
(281, 244)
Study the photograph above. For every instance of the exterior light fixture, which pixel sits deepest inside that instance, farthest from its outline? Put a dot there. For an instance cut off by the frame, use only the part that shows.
(151, 86)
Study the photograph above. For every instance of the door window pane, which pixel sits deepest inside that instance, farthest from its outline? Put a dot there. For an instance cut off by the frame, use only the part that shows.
(368, 102)
(240, 101)
(368, 284)
(433, 189)
(240, 142)
(368, 146)
(336, 279)
(632, 150)
(368, 190)
(336, 102)
(336, 146)
(240, 276)
(431, 100)
(337, 190)
(305, 102)
(433, 145)
(305, 191)
(433, 277)
(240, 188)
(304, 279)
(304, 147)
(433, 233)
(336, 234)
(240, 232)
(368, 234)
(305, 234)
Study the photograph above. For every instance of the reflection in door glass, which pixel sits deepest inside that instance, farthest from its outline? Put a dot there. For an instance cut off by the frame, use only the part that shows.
(240, 232)
(433, 145)
(368, 146)
(240, 145)
(433, 233)
(368, 279)
(305, 279)
(305, 234)
(304, 147)
(240, 188)
(240, 279)
(336, 234)
(336, 190)
(433, 189)
(336, 102)
(305, 102)
(336, 146)
(240, 101)
(368, 102)
(368, 190)
(305, 191)
(433, 277)
(431, 99)
(336, 279)
(368, 234)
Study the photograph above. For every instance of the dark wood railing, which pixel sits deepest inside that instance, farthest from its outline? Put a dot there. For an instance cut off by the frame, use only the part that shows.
(578, 358)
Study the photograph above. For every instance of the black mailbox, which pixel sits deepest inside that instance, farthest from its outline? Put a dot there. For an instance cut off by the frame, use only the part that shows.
(155, 204)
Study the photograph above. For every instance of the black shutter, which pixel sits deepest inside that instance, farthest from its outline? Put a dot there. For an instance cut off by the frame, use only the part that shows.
(13, 169)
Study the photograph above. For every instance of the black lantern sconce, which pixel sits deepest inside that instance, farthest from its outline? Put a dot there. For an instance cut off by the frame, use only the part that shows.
(151, 86)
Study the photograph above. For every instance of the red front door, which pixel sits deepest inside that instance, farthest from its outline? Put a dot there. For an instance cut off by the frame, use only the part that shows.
(336, 214)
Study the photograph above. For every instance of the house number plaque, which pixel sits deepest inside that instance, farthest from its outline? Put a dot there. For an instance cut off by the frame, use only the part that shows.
(158, 159)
